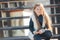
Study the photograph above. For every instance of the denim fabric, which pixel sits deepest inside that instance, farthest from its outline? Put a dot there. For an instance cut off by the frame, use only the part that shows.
(47, 35)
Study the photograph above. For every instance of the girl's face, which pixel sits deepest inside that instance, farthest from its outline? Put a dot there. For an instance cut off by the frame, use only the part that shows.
(38, 10)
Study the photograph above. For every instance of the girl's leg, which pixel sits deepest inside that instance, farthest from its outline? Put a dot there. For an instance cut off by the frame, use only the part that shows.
(37, 37)
(47, 35)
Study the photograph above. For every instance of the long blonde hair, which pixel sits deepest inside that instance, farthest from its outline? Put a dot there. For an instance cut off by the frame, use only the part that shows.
(46, 16)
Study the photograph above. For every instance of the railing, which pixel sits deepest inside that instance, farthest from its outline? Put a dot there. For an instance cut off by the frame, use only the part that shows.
(28, 7)
(9, 18)
(24, 17)
(24, 27)
(8, 0)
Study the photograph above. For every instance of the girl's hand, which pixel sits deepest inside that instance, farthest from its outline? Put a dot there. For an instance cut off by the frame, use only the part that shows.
(40, 31)
(37, 33)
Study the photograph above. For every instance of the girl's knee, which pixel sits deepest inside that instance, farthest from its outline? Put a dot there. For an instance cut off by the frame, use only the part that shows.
(48, 34)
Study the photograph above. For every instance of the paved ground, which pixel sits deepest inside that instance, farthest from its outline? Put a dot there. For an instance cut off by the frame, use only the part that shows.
(51, 39)
(18, 38)
(54, 39)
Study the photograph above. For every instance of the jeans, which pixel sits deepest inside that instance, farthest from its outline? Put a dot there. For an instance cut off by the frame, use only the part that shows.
(47, 35)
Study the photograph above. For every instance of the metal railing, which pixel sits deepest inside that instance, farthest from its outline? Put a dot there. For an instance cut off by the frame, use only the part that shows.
(28, 7)
(8, 0)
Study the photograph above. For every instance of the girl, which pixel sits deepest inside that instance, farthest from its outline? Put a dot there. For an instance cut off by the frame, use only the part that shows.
(40, 23)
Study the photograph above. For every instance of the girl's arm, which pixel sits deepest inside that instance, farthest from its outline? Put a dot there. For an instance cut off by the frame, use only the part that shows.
(31, 28)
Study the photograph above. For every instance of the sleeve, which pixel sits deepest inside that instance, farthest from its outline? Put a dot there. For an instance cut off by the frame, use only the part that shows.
(31, 26)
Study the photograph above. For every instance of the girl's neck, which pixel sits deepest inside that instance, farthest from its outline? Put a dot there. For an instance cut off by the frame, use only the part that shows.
(39, 15)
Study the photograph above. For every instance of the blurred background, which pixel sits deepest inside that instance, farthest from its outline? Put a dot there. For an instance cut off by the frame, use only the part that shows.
(15, 14)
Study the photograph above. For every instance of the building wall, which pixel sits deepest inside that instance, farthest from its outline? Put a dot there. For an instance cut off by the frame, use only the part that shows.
(17, 22)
